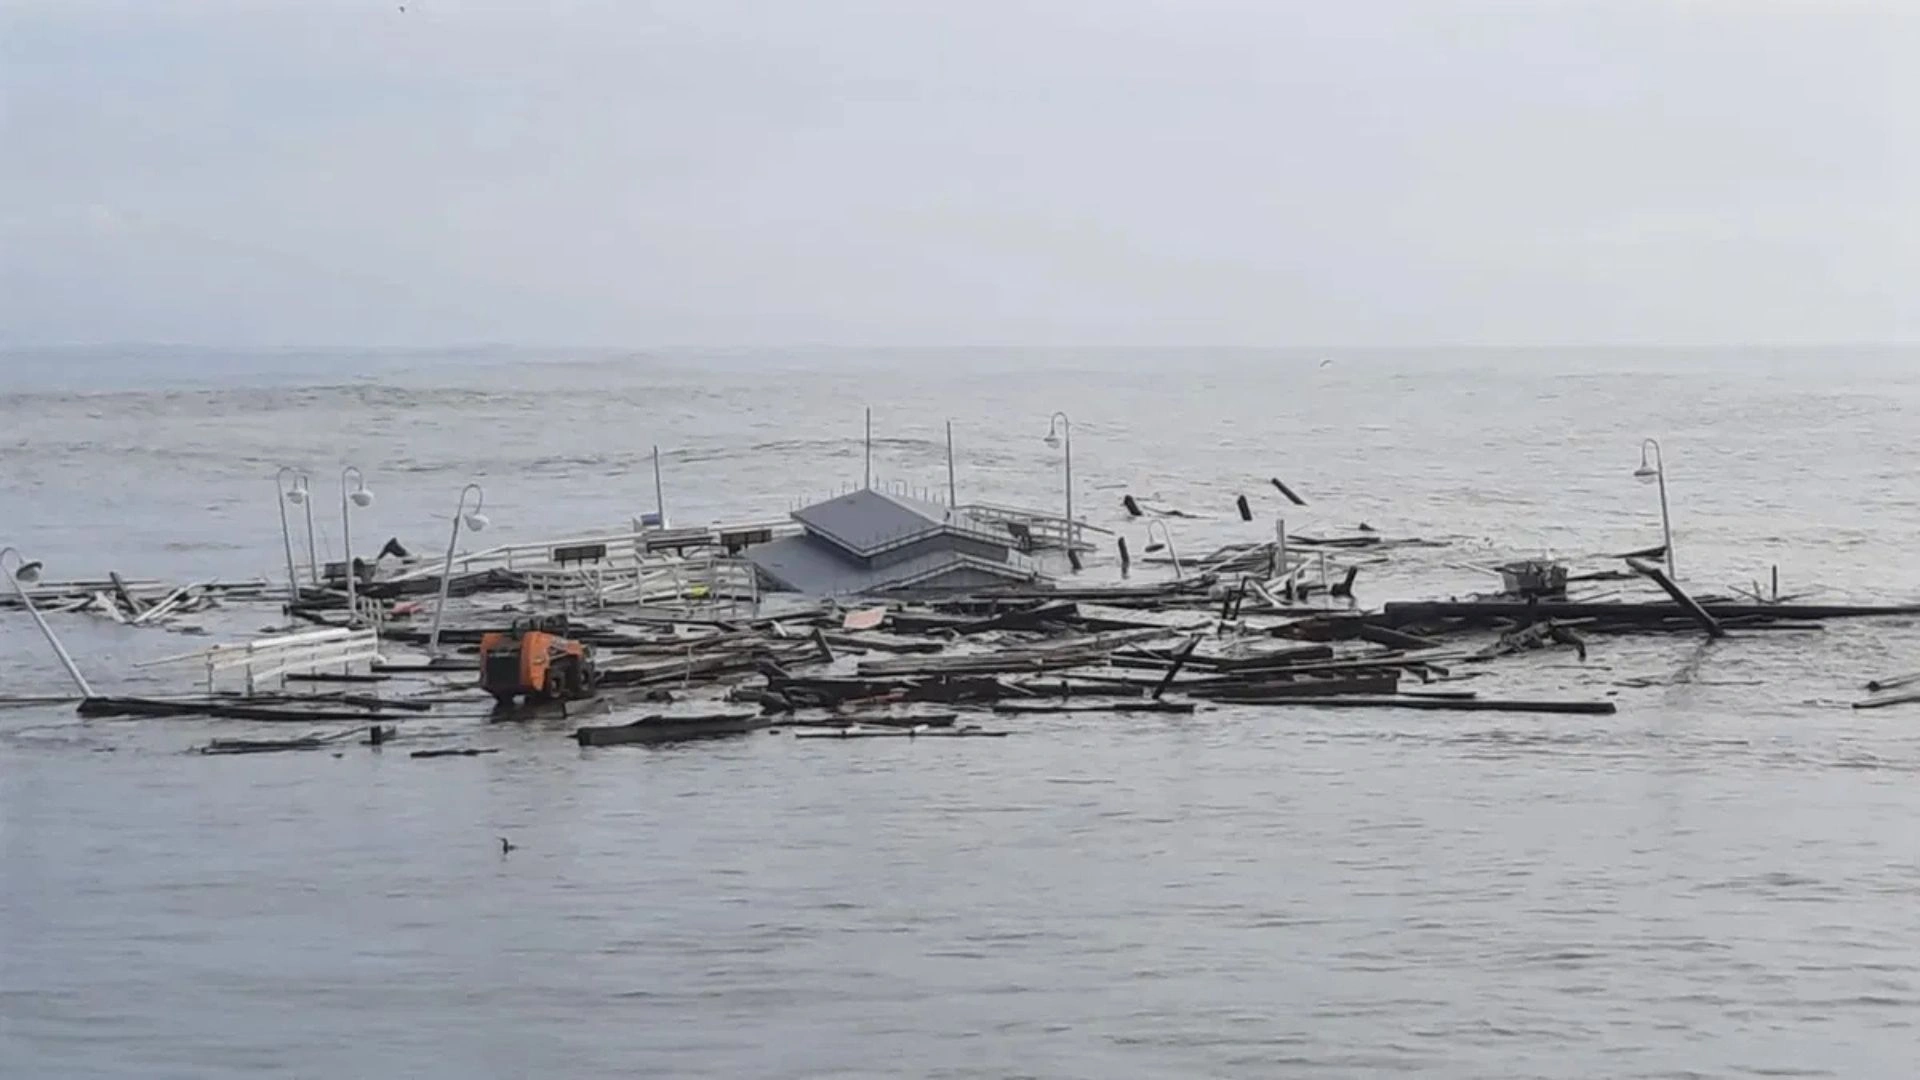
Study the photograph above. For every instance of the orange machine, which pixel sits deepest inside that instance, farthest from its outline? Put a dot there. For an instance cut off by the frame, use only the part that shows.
(536, 660)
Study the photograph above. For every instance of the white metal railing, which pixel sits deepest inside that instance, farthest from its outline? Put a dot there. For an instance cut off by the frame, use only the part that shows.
(692, 584)
(635, 549)
(281, 655)
(1047, 530)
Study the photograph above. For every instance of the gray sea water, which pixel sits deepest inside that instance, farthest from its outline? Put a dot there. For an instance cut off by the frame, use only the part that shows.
(1720, 880)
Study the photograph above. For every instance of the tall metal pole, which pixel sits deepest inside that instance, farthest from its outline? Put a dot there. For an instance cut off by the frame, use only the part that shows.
(1660, 474)
(1066, 431)
(1167, 534)
(313, 552)
(446, 569)
(286, 535)
(59, 650)
(868, 483)
(953, 492)
(346, 538)
(659, 499)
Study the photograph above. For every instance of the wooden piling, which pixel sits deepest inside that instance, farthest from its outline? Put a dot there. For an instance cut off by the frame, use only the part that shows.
(1288, 492)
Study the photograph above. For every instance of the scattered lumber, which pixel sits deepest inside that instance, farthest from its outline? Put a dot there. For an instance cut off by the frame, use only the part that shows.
(1487, 612)
(1687, 603)
(1035, 708)
(658, 729)
(902, 733)
(1597, 708)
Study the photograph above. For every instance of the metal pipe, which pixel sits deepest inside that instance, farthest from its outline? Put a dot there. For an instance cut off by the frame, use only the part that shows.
(59, 650)
(313, 551)
(953, 492)
(659, 500)
(280, 495)
(362, 497)
(1167, 534)
(446, 569)
(1659, 471)
(1066, 432)
(868, 482)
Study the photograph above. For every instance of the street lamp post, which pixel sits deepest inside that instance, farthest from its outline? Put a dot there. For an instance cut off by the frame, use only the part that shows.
(361, 497)
(476, 521)
(297, 494)
(1064, 430)
(25, 570)
(1167, 535)
(1657, 472)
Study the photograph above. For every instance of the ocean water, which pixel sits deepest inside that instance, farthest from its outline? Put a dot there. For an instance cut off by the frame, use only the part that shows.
(1717, 881)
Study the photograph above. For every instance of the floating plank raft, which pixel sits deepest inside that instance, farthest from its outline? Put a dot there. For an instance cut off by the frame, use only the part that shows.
(1593, 708)
(654, 730)
(1428, 611)
(270, 710)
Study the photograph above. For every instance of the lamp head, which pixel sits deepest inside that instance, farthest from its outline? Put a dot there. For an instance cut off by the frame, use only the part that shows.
(361, 497)
(478, 522)
(297, 495)
(1646, 473)
(1052, 439)
(27, 572)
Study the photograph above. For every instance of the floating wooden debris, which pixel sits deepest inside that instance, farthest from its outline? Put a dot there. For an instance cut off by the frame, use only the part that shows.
(903, 733)
(657, 729)
(1034, 708)
(1598, 708)
(1687, 603)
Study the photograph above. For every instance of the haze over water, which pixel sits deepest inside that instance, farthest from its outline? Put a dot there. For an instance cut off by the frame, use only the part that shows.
(1715, 881)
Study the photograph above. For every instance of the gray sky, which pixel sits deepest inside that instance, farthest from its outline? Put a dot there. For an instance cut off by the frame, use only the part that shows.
(890, 172)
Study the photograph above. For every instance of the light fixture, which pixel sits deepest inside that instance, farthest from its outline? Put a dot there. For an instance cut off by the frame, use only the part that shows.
(1654, 470)
(26, 572)
(1060, 432)
(359, 496)
(475, 521)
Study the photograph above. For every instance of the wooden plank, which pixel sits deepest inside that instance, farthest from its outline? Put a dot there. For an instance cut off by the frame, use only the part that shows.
(1595, 708)
(1687, 603)
(1403, 613)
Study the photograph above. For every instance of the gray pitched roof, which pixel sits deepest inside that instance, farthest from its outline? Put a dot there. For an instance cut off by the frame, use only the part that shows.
(812, 565)
(866, 522)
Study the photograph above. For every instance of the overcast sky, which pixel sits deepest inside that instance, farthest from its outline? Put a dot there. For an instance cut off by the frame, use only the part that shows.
(966, 171)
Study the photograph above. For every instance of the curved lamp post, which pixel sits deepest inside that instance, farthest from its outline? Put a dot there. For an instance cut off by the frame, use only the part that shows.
(1059, 427)
(1652, 473)
(476, 521)
(298, 496)
(1167, 535)
(29, 570)
(361, 497)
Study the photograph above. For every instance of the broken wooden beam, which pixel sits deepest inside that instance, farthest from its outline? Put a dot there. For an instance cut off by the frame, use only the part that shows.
(1418, 612)
(1687, 603)
(1037, 708)
(1593, 708)
(1179, 661)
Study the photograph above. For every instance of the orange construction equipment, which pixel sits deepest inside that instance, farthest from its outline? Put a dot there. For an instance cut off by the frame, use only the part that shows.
(536, 660)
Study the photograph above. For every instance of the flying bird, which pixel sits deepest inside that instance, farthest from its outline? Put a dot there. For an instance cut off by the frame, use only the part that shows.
(506, 845)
